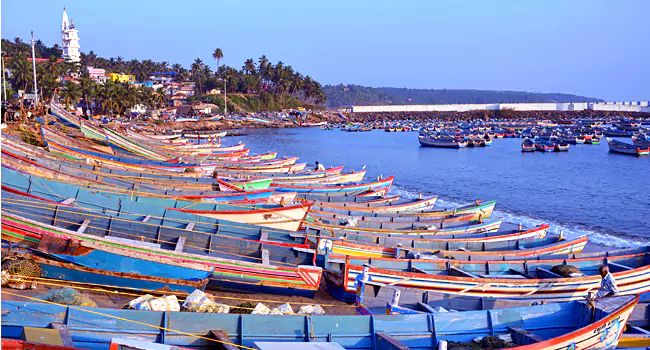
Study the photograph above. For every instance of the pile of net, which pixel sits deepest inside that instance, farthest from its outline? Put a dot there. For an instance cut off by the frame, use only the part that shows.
(567, 271)
(70, 296)
(17, 270)
(489, 342)
(243, 308)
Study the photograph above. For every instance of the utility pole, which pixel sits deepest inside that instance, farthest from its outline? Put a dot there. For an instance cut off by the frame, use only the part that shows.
(4, 80)
(225, 102)
(34, 66)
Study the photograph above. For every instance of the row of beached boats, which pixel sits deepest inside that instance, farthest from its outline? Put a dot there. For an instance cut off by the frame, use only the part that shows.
(129, 210)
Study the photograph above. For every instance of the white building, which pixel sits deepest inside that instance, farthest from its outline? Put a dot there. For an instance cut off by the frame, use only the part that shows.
(70, 40)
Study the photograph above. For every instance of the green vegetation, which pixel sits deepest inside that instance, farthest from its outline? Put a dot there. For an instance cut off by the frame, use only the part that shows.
(257, 86)
(339, 95)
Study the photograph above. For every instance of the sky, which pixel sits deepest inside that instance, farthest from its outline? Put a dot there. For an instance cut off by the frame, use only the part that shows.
(596, 48)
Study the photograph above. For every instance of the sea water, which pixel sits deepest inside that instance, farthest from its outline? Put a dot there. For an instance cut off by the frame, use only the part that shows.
(586, 191)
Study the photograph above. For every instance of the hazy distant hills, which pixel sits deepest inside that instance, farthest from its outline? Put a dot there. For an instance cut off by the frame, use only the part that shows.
(339, 95)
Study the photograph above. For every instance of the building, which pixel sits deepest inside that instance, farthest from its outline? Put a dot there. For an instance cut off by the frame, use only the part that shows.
(97, 74)
(122, 78)
(70, 40)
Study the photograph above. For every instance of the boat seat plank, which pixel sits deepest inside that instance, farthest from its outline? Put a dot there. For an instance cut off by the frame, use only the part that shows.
(265, 257)
(502, 276)
(461, 273)
(548, 274)
(63, 332)
(426, 307)
(146, 218)
(190, 226)
(526, 336)
(83, 226)
(67, 201)
(264, 236)
(620, 266)
(180, 244)
(222, 336)
(420, 270)
(386, 341)
(521, 273)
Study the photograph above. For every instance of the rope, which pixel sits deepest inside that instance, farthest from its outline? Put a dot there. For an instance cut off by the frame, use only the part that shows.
(48, 281)
(127, 320)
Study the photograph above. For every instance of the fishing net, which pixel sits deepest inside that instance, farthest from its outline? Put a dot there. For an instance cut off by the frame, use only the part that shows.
(17, 270)
(243, 308)
(489, 342)
(567, 270)
(70, 296)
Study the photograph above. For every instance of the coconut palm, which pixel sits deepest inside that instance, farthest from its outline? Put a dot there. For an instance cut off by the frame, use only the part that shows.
(71, 93)
(217, 55)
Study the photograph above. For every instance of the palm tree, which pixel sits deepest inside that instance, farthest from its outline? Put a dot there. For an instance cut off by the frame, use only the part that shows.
(71, 93)
(217, 55)
(197, 71)
(249, 66)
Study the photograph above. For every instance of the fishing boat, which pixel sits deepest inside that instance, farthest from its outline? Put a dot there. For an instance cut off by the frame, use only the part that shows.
(441, 142)
(532, 280)
(237, 264)
(555, 326)
(288, 218)
(527, 145)
(626, 148)
(375, 185)
(561, 146)
(544, 146)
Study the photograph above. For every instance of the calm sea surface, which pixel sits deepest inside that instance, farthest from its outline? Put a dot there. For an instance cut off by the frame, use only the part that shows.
(585, 191)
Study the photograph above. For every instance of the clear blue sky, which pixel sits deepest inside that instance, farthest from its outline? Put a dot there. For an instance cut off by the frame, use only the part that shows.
(597, 48)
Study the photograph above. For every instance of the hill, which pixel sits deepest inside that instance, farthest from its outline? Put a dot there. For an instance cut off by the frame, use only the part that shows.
(339, 95)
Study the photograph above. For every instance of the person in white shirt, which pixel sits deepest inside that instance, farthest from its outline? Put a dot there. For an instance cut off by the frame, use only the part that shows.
(319, 167)
(608, 286)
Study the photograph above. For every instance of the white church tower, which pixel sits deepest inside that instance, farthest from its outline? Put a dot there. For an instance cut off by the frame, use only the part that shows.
(70, 40)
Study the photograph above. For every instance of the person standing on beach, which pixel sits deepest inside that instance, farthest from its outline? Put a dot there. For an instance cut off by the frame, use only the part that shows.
(608, 285)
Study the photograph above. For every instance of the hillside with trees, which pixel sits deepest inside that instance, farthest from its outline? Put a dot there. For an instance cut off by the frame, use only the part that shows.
(265, 85)
(340, 95)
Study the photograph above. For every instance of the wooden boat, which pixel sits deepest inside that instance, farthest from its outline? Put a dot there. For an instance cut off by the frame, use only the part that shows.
(544, 146)
(380, 184)
(477, 210)
(626, 148)
(555, 326)
(609, 329)
(342, 250)
(64, 116)
(380, 207)
(142, 281)
(236, 185)
(423, 227)
(21, 180)
(15, 344)
(264, 169)
(561, 146)
(527, 146)
(288, 218)
(441, 143)
(172, 247)
(525, 280)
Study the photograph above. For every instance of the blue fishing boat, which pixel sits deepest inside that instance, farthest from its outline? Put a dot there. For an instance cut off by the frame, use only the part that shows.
(557, 326)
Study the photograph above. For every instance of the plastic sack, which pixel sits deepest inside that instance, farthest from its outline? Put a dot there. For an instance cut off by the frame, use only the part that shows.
(311, 310)
(260, 309)
(150, 303)
(285, 309)
(199, 301)
(70, 296)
